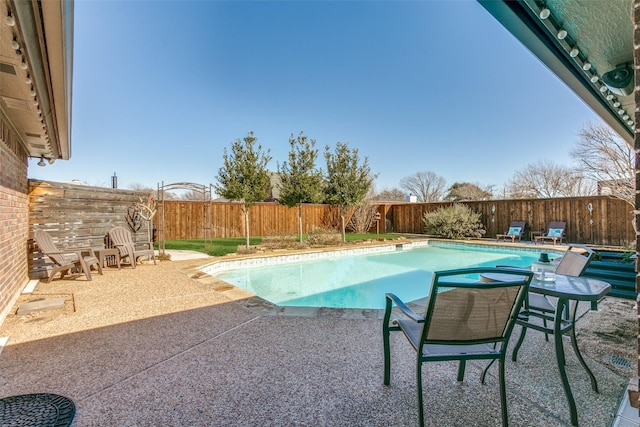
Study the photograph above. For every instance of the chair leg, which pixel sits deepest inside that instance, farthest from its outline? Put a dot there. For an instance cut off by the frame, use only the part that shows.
(85, 268)
(387, 354)
(419, 385)
(461, 367)
(485, 370)
(503, 394)
(514, 356)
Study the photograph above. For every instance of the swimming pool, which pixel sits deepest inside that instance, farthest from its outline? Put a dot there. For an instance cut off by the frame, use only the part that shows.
(347, 280)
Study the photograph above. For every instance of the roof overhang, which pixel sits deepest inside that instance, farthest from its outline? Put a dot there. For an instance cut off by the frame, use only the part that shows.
(598, 37)
(36, 58)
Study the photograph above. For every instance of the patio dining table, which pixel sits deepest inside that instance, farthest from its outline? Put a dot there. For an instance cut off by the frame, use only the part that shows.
(569, 291)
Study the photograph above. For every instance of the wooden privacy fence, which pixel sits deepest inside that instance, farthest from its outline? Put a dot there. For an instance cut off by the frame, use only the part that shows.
(186, 219)
(77, 216)
(608, 222)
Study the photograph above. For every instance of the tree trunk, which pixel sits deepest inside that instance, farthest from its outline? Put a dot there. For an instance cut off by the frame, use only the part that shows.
(300, 221)
(246, 225)
(344, 237)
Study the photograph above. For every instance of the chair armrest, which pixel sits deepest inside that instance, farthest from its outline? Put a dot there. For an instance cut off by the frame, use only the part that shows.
(512, 267)
(391, 299)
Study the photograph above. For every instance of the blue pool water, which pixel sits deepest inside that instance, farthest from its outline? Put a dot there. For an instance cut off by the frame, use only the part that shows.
(360, 281)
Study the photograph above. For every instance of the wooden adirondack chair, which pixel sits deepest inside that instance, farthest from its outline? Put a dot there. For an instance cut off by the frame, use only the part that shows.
(121, 238)
(66, 260)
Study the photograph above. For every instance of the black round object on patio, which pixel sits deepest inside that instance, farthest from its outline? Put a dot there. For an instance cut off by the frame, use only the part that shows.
(39, 409)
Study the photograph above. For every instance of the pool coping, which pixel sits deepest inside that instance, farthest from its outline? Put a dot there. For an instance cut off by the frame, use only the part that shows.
(263, 307)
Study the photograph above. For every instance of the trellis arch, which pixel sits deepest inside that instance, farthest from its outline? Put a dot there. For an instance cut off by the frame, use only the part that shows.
(205, 191)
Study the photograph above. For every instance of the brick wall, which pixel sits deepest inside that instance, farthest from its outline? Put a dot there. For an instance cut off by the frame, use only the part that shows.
(13, 219)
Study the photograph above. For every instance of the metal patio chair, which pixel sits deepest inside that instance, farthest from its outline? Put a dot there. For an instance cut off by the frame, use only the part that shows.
(465, 319)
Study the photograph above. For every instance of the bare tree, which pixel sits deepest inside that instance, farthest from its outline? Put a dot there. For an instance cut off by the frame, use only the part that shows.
(391, 194)
(545, 179)
(426, 185)
(608, 160)
(192, 195)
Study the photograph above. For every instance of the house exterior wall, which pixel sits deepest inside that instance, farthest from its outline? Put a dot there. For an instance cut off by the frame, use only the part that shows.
(14, 220)
(636, 55)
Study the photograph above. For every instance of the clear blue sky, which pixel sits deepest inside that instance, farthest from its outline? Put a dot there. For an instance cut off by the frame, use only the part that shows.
(161, 87)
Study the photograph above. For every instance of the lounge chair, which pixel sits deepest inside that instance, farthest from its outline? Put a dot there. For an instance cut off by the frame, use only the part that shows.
(464, 320)
(516, 230)
(555, 232)
(67, 260)
(121, 238)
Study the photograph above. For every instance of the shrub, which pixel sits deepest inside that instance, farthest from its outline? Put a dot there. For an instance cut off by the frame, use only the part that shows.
(279, 242)
(453, 222)
(363, 218)
(322, 236)
(243, 250)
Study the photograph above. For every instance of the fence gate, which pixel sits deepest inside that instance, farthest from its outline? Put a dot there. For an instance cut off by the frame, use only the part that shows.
(204, 192)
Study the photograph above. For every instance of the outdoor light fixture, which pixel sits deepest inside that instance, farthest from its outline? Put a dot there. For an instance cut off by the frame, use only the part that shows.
(28, 79)
(620, 79)
(9, 19)
(51, 161)
(41, 162)
(616, 82)
(23, 64)
(544, 13)
(14, 44)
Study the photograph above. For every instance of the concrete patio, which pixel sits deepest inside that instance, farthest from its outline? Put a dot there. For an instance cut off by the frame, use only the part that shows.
(167, 345)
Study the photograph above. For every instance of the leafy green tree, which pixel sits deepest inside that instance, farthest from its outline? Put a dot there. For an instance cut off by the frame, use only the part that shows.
(348, 181)
(461, 191)
(301, 182)
(391, 194)
(244, 176)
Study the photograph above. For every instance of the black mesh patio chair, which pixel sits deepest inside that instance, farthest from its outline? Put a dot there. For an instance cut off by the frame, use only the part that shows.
(465, 319)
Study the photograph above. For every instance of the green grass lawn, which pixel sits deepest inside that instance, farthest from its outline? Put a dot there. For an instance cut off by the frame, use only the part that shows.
(221, 247)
